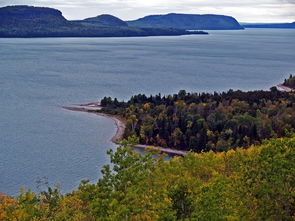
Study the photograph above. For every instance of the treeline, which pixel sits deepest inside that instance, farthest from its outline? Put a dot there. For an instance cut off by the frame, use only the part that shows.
(203, 122)
(290, 82)
(253, 184)
(81, 30)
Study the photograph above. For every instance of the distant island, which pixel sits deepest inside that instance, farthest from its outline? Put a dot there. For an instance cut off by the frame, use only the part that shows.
(28, 21)
(188, 22)
(270, 25)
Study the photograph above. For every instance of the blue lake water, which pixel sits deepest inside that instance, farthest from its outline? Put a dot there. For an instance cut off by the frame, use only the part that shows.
(39, 139)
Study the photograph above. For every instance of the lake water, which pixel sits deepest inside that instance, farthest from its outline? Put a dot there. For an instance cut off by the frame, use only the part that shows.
(39, 139)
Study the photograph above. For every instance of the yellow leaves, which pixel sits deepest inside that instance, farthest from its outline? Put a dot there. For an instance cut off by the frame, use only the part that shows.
(146, 106)
(230, 152)
(189, 124)
(133, 118)
(203, 105)
(6, 204)
(176, 158)
(113, 203)
(129, 121)
(180, 103)
(151, 216)
(209, 133)
(10, 209)
(228, 132)
(71, 208)
(19, 214)
(232, 185)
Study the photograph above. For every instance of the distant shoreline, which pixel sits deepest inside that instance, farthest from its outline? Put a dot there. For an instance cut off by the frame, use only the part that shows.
(33, 36)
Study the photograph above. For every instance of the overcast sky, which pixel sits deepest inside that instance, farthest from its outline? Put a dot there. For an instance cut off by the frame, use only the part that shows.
(242, 10)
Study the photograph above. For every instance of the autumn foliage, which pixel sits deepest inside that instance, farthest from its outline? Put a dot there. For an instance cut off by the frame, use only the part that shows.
(243, 184)
(204, 122)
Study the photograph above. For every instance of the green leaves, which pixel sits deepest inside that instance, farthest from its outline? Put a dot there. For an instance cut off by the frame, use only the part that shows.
(181, 121)
(243, 184)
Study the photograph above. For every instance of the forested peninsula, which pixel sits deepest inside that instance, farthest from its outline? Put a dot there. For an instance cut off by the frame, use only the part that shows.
(290, 82)
(240, 163)
(206, 122)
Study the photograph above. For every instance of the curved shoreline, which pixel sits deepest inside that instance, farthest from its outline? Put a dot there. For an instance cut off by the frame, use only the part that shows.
(120, 123)
(284, 88)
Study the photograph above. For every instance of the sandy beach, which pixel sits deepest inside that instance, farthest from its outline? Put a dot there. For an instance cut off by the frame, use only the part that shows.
(92, 108)
(162, 150)
(284, 88)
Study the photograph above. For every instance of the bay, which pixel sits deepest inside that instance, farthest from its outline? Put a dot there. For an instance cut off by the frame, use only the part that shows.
(41, 141)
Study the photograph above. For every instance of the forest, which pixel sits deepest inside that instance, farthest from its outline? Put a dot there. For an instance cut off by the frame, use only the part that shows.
(290, 82)
(204, 121)
(242, 184)
(230, 173)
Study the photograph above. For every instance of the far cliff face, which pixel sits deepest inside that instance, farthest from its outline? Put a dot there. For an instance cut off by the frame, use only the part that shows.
(30, 16)
(188, 22)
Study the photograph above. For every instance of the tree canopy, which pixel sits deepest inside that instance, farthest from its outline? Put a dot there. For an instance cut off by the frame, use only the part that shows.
(290, 82)
(203, 121)
(253, 184)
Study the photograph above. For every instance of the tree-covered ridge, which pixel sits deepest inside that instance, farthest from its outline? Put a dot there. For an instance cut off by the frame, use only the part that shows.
(203, 122)
(290, 82)
(243, 184)
(106, 20)
(188, 22)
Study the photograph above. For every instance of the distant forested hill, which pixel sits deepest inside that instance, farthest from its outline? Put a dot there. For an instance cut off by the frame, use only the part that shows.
(188, 22)
(28, 21)
(106, 21)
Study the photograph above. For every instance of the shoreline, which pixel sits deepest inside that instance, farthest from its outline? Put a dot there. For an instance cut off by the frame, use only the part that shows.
(120, 123)
(162, 149)
(284, 88)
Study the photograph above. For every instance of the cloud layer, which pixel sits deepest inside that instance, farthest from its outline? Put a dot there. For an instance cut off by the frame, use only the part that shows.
(243, 10)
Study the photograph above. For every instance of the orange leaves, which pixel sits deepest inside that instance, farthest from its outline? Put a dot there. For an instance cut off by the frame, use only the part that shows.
(146, 106)
(10, 209)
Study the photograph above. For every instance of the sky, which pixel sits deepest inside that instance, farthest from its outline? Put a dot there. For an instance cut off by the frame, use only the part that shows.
(243, 10)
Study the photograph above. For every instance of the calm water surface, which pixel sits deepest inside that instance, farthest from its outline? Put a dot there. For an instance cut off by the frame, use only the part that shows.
(39, 139)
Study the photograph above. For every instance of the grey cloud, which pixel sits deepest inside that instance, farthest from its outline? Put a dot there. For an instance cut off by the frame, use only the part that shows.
(289, 1)
(243, 10)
